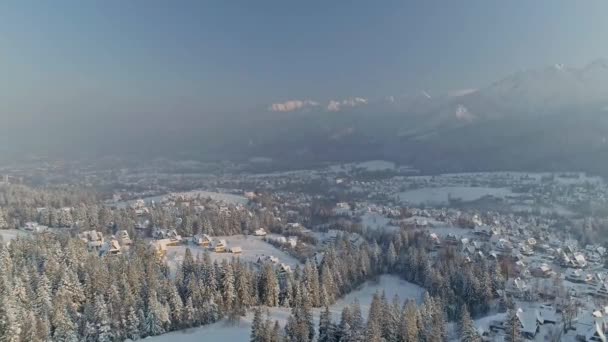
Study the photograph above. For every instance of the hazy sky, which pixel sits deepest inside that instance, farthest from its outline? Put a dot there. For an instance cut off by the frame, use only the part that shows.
(157, 57)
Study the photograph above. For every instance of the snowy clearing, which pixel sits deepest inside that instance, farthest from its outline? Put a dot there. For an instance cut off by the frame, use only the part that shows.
(9, 234)
(224, 331)
(376, 221)
(216, 196)
(440, 195)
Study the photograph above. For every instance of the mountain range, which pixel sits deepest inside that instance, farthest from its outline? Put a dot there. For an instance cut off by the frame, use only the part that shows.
(552, 118)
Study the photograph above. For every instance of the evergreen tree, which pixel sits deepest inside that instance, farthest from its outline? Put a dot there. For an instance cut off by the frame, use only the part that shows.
(327, 329)
(257, 326)
(357, 324)
(189, 314)
(64, 329)
(512, 327)
(466, 327)
(154, 317)
(345, 332)
(133, 324)
(276, 332)
(10, 322)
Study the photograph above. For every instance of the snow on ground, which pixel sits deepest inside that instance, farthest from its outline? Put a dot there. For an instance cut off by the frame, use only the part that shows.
(216, 196)
(370, 165)
(253, 247)
(376, 221)
(375, 165)
(9, 234)
(440, 195)
(224, 331)
(445, 230)
(484, 322)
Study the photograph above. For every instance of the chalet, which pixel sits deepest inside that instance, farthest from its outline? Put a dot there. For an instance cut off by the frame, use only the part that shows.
(220, 246)
(542, 271)
(591, 326)
(547, 314)
(166, 234)
(601, 291)
(575, 276)
(594, 279)
(451, 239)
(529, 321)
(123, 238)
(111, 247)
(92, 238)
(236, 250)
(203, 240)
(284, 269)
(34, 227)
(267, 258)
(260, 232)
(516, 287)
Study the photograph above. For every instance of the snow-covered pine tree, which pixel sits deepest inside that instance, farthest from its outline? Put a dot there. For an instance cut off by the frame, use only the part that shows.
(512, 327)
(327, 329)
(466, 327)
(345, 332)
(257, 327)
(409, 327)
(132, 324)
(358, 325)
(153, 320)
(189, 314)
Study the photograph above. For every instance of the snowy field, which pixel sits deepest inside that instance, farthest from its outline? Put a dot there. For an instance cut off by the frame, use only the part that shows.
(445, 230)
(9, 234)
(438, 196)
(253, 248)
(223, 331)
(370, 166)
(216, 196)
(375, 221)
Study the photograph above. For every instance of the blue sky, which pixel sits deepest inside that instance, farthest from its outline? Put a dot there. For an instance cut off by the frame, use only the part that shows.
(213, 57)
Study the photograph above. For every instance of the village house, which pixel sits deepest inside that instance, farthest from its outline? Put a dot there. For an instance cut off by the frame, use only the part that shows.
(591, 326)
(92, 238)
(220, 246)
(542, 271)
(34, 227)
(267, 258)
(600, 291)
(516, 287)
(529, 321)
(110, 248)
(123, 238)
(236, 250)
(202, 240)
(170, 234)
(284, 269)
(260, 232)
